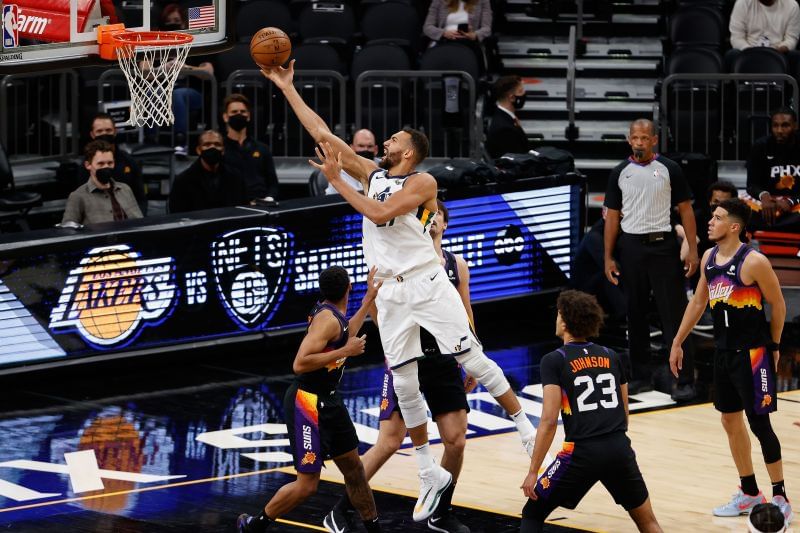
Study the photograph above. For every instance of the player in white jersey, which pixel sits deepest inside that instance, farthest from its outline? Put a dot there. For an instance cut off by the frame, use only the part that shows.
(398, 209)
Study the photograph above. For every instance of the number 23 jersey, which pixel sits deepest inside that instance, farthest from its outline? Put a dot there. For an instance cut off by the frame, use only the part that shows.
(590, 376)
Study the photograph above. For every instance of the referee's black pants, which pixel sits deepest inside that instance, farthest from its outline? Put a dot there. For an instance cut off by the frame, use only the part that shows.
(656, 266)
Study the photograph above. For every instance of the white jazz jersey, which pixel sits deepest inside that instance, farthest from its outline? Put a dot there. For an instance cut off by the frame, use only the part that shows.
(401, 244)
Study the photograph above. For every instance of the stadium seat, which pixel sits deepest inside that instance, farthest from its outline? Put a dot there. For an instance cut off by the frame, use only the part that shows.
(690, 60)
(237, 58)
(327, 23)
(759, 60)
(317, 183)
(391, 22)
(697, 26)
(14, 202)
(317, 56)
(451, 56)
(379, 57)
(252, 16)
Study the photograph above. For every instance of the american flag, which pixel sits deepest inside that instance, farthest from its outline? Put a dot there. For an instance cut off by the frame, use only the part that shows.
(201, 17)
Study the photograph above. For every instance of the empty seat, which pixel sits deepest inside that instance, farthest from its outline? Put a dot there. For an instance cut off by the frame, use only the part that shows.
(697, 26)
(379, 57)
(694, 61)
(327, 23)
(317, 56)
(17, 203)
(391, 22)
(252, 16)
(759, 60)
(451, 56)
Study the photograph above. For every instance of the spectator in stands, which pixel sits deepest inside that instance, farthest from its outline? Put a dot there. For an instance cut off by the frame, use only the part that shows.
(126, 170)
(468, 22)
(101, 198)
(364, 145)
(184, 99)
(772, 23)
(208, 182)
(773, 175)
(251, 158)
(588, 275)
(505, 135)
(640, 195)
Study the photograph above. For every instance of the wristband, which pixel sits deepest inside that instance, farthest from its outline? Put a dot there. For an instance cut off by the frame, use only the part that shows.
(773, 346)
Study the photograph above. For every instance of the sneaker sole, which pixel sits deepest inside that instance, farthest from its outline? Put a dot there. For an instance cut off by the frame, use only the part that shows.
(330, 528)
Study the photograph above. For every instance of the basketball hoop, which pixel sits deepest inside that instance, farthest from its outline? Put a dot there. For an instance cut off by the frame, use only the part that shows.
(151, 61)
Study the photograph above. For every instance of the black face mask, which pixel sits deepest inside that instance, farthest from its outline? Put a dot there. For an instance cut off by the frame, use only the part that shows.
(212, 156)
(366, 154)
(172, 26)
(104, 175)
(519, 101)
(238, 122)
(108, 137)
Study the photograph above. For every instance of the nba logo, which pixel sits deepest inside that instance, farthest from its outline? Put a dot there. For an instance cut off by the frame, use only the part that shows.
(10, 33)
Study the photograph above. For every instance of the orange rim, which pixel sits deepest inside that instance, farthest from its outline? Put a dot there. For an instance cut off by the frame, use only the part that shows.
(152, 38)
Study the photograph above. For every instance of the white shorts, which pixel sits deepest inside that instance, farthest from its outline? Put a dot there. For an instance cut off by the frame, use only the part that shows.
(427, 299)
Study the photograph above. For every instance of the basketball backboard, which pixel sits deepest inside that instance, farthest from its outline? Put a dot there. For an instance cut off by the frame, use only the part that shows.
(42, 34)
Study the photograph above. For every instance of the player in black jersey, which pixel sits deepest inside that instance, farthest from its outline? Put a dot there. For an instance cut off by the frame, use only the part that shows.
(736, 280)
(587, 383)
(317, 421)
(445, 392)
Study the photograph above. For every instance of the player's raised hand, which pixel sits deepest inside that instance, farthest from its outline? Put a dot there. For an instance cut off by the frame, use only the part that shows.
(280, 76)
(355, 345)
(372, 287)
(331, 164)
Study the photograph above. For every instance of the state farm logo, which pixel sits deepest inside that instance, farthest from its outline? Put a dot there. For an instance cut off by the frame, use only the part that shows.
(113, 294)
(250, 267)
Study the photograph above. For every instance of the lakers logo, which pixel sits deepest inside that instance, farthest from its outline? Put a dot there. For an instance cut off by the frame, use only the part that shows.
(249, 268)
(309, 458)
(113, 293)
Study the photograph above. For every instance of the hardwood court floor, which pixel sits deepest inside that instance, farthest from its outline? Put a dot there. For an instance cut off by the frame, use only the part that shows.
(682, 452)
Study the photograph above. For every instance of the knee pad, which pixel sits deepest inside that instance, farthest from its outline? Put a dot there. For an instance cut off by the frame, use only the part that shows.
(478, 365)
(762, 429)
(409, 398)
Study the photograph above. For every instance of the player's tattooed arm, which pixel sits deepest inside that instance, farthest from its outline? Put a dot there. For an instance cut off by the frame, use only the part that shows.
(323, 329)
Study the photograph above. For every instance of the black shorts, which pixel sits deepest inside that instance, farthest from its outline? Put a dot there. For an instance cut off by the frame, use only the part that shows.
(319, 428)
(608, 459)
(744, 380)
(439, 380)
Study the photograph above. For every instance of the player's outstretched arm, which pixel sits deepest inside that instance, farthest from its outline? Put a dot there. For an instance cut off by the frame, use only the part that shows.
(283, 78)
(367, 303)
(551, 405)
(694, 310)
(418, 189)
(324, 328)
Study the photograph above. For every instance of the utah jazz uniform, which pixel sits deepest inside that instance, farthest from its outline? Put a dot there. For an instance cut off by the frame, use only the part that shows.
(596, 447)
(439, 375)
(416, 292)
(744, 376)
(317, 421)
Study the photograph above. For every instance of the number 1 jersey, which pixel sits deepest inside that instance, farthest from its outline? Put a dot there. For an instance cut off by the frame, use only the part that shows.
(590, 376)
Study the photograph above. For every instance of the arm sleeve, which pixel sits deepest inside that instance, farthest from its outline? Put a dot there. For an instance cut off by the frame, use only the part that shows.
(73, 211)
(484, 29)
(613, 198)
(738, 26)
(429, 28)
(550, 368)
(792, 27)
(757, 170)
(679, 186)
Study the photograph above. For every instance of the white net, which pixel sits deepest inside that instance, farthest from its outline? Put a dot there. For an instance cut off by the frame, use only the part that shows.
(151, 63)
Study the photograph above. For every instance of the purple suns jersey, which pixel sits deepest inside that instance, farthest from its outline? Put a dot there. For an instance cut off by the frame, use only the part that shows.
(324, 380)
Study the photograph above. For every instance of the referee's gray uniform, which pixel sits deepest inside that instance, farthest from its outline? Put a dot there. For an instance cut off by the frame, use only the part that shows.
(649, 255)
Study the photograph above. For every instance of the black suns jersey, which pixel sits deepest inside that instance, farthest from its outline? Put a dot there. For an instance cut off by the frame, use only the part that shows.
(324, 380)
(590, 376)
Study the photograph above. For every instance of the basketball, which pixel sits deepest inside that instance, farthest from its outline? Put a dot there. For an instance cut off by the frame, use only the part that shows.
(270, 47)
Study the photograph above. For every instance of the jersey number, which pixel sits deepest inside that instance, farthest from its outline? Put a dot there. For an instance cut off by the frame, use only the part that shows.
(608, 399)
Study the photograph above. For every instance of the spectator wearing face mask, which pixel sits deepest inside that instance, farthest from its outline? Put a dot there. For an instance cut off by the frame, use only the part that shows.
(251, 158)
(102, 198)
(505, 135)
(208, 182)
(364, 145)
(126, 170)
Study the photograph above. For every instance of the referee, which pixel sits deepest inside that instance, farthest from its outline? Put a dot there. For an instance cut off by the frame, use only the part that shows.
(641, 192)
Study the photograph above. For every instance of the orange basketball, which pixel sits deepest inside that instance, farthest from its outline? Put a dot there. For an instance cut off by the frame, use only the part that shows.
(270, 47)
